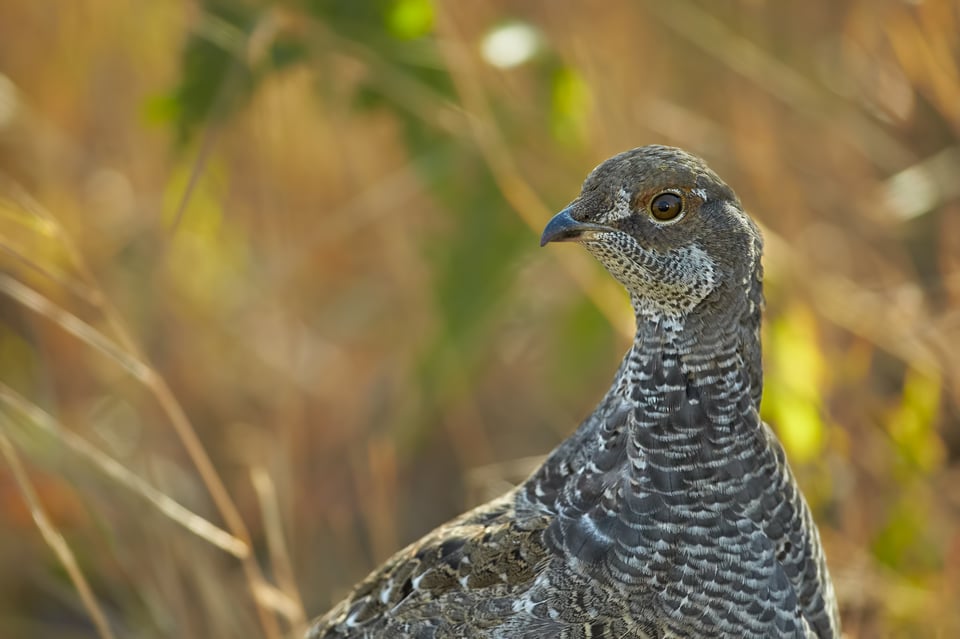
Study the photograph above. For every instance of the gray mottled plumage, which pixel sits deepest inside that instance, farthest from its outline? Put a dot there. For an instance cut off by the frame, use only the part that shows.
(671, 511)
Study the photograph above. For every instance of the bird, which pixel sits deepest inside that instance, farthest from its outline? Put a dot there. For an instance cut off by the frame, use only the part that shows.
(671, 511)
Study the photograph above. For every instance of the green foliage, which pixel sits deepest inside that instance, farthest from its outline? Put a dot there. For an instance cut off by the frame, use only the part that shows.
(905, 541)
(913, 424)
(410, 19)
(472, 267)
(794, 383)
(473, 264)
(14, 348)
(208, 257)
(216, 80)
(476, 253)
(221, 68)
(585, 342)
(571, 106)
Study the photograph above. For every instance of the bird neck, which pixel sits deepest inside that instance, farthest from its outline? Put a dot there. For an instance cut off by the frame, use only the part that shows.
(682, 409)
(716, 342)
(680, 369)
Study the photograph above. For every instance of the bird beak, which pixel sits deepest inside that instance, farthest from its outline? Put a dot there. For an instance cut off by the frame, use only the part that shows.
(563, 227)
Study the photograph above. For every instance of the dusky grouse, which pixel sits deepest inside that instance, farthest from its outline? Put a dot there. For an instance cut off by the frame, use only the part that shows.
(671, 511)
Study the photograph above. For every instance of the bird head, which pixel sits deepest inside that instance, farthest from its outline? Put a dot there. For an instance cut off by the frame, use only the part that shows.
(668, 229)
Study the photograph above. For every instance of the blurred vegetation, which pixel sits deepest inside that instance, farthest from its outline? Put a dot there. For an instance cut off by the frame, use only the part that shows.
(271, 303)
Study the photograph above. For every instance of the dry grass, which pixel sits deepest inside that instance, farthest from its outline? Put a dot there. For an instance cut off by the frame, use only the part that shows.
(236, 373)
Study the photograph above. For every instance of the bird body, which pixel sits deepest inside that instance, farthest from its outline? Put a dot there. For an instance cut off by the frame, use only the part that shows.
(671, 511)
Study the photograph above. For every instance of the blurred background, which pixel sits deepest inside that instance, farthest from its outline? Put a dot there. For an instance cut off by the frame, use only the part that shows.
(272, 305)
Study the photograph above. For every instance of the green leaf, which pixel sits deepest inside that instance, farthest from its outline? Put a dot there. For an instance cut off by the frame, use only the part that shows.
(410, 19)
(791, 400)
(571, 104)
(913, 424)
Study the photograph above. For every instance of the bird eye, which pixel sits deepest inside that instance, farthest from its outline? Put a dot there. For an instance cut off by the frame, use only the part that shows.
(666, 206)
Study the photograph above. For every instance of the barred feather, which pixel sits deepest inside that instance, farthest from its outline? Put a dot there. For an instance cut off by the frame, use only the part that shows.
(671, 511)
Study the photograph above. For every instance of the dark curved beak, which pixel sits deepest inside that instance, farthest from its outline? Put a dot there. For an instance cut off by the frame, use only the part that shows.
(563, 227)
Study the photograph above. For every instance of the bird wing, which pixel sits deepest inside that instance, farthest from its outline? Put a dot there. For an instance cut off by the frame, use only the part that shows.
(456, 580)
(790, 527)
